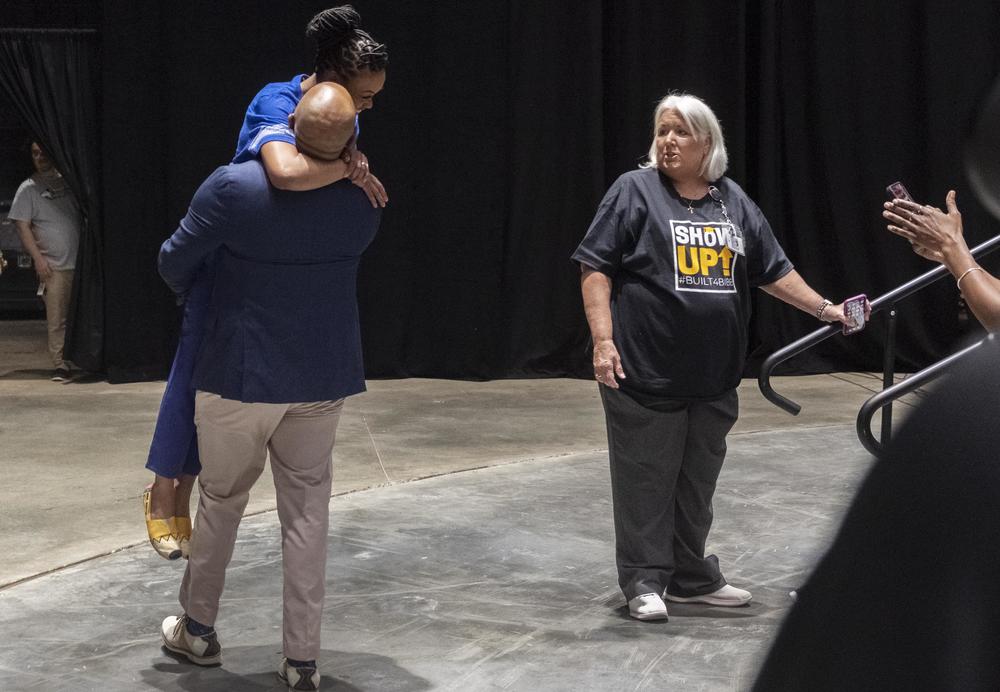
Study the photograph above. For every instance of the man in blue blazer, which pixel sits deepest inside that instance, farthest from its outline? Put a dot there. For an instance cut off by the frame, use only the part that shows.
(282, 349)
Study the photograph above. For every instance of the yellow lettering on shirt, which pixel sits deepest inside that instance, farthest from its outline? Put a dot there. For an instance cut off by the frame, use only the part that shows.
(700, 260)
(708, 259)
(683, 264)
(727, 261)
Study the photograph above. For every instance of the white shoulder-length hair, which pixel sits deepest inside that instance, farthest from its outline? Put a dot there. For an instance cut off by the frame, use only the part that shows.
(702, 122)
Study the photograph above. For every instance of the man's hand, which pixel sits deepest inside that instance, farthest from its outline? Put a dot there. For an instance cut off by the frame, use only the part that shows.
(607, 363)
(42, 268)
(375, 191)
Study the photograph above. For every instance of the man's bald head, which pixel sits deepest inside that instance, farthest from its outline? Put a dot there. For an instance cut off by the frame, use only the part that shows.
(324, 121)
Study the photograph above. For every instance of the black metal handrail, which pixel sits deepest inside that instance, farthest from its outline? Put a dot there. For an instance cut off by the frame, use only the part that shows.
(887, 300)
(911, 383)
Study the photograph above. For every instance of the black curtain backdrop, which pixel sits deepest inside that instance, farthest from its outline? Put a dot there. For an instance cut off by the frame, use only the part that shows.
(853, 96)
(501, 125)
(51, 78)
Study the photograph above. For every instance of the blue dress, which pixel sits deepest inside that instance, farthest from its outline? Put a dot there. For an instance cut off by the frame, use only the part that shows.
(174, 448)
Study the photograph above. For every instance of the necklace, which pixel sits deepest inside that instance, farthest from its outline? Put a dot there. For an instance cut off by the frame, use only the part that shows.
(688, 201)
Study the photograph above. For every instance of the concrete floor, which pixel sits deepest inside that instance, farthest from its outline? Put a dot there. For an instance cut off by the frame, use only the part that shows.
(500, 578)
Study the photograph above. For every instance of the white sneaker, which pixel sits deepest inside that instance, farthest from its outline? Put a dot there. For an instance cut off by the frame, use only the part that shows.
(203, 651)
(305, 678)
(726, 596)
(648, 606)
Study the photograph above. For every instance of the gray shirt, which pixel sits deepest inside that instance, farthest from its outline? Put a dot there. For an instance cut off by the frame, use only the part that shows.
(47, 203)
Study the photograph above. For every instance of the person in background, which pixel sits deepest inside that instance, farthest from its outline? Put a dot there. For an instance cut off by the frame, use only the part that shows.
(937, 235)
(48, 218)
(668, 266)
(345, 55)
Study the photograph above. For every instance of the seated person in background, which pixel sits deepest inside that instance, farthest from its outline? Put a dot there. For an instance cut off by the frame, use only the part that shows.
(937, 236)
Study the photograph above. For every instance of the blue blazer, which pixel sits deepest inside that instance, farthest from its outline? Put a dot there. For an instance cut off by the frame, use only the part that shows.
(282, 322)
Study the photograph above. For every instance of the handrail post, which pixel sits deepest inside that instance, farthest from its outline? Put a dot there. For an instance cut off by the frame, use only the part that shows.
(888, 372)
(901, 389)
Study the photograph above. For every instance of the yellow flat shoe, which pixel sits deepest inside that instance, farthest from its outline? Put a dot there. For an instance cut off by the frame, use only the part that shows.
(162, 532)
(183, 527)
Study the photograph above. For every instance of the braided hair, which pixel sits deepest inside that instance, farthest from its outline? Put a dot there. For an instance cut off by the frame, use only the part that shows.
(341, 46)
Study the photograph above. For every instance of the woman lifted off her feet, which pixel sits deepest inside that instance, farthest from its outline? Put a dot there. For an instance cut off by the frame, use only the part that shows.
(352, 58)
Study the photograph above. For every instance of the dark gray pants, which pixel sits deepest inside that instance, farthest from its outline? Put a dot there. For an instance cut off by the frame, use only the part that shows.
(664, 466)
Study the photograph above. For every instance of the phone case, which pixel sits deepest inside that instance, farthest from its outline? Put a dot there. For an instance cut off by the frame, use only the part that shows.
(898, 191)
(854, 308)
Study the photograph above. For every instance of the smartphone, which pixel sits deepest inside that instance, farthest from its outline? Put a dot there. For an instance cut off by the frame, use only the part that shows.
(898, 191)
(854, 310)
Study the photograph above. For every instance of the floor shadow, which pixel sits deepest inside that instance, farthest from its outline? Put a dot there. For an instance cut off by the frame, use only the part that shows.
(701, 610)
(77, 376)
(342, 671)
(26, 374)
(81, 377)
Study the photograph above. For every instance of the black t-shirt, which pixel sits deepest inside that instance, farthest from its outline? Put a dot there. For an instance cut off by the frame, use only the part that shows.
(680, 326)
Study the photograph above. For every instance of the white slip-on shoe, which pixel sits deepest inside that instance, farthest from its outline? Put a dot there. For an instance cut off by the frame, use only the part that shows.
(201, 650)
(647, 606)
(728, 596)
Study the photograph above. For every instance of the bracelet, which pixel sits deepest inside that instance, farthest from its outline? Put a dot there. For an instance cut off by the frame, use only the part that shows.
(822, 308)
(965, 274)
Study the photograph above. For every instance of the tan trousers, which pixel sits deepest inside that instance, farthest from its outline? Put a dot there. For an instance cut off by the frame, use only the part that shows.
(58, 289)
(233, 440)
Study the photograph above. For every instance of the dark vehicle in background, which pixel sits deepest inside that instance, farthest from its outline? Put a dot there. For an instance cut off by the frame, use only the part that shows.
(18, 282)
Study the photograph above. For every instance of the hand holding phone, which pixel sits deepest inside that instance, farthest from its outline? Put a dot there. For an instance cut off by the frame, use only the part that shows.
(854, 311)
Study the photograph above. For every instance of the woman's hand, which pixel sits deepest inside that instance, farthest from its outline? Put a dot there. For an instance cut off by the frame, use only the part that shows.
(927, 253)
(359, 173)
(934, 234)
(835, 313)
(375, 190)
(607, 363)
(357, 166)
(357, 162)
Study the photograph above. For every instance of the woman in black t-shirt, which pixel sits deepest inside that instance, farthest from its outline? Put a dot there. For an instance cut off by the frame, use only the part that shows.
(667, 267)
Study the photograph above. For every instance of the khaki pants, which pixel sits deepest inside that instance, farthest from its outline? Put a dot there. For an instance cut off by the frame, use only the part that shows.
(58, 289)
(233, 440)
